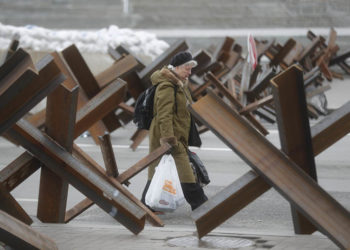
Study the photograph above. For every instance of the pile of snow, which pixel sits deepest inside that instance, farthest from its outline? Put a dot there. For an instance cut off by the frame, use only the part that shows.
(40, 39)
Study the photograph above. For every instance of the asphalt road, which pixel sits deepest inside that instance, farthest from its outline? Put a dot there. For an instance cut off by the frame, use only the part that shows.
(269, 212)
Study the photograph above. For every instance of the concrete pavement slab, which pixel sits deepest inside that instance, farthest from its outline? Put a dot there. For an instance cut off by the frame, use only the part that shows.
(92, 236)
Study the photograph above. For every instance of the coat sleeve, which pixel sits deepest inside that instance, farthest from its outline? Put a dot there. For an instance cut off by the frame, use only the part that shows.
(165, 102)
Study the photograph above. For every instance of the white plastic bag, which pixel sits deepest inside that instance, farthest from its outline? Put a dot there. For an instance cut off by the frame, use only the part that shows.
(165, 192)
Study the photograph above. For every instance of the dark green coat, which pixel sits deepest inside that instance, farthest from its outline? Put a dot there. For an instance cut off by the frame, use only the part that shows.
(168, 125)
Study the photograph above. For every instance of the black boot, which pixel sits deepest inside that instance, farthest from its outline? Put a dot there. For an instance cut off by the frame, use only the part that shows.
(194, 194)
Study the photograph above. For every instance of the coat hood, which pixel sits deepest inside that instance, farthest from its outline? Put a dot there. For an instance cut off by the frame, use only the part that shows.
(165, 75)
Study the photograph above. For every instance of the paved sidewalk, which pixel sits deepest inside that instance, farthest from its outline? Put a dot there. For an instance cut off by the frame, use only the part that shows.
(92, 236)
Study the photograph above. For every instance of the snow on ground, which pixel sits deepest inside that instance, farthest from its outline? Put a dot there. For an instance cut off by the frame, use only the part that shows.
(41, 39)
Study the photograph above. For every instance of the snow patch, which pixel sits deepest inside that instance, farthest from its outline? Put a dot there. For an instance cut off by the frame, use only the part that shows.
(41, 39)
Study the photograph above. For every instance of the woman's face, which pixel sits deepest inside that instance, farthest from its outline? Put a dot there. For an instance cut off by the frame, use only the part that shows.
(183, 71)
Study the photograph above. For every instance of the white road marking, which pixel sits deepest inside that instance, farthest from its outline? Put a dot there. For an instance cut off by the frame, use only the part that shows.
(27, 199)
(84, 145)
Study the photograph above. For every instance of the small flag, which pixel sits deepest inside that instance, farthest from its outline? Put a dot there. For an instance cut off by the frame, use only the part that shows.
(252, 53)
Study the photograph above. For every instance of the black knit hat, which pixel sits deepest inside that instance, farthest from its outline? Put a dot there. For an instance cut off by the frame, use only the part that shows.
(182, 58)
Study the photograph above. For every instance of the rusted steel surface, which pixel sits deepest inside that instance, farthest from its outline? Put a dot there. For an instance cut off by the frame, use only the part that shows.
(203, 58)
(325, 70)
(255, 105)
(345, 67)
(18, 171)
(99, 106)
(52, 198)
(311, 35)
(290, 58)
(10, 112)
(14, 104)
(228, 202)
(332, 128)
(87, 81)
(86, 203)
(143, 163)
(81, 70)
(260, 86)
(264, 114)
(309, 49)
(37, 119)
(117, 70)
(123, 50)
(216, 67)
(78, 209)
(126, 116)
(278, 58)
(284, 175)
(13, 68)
(138, 137)
(60, 120)
(4, 135)
(12, 207)
(93, 165)
(223, 90)
(230, 76)
(127, 108)
(330, 49)
(90, 183)
(225, 46)
(294, 130)
(256, 72)
(108, 155)
(95, 129)
(200, 89)
(231, 58)
(135, 86)
(273, 50)
(263, 47)
(324, 134)
(71, 81)
(18, 235)
(292, 118)
(339, 59)
(61, 110)
(114, 53)
(311, 76)
(111, 121)
(11, 48)
(162, 60)
(328, 56)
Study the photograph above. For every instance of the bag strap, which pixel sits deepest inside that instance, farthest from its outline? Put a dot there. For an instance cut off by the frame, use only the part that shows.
(175, 90)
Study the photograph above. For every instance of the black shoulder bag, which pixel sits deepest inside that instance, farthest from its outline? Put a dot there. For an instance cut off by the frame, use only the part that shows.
(198, 168)
(193, 138)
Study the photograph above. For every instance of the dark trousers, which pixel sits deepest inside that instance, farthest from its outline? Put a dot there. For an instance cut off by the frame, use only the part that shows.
(193, 193)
